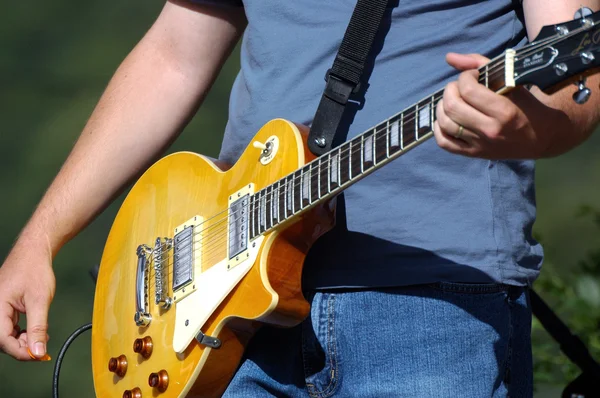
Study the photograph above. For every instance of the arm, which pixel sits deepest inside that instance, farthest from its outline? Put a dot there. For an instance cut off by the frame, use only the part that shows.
(153, 94)
(525, 124)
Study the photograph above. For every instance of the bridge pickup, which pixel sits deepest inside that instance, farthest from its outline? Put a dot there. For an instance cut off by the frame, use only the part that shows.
(187, 248)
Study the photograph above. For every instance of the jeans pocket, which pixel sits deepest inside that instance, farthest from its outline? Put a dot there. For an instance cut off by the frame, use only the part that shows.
(319, 347)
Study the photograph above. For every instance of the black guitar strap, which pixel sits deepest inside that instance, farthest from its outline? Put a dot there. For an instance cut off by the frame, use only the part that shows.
(344, 76)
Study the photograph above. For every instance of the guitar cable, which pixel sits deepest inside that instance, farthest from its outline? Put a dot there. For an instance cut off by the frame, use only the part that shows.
(61, 355)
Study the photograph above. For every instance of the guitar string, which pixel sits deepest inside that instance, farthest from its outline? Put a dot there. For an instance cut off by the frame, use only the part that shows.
(216, 240)
(491, 73)
(213, 241)
(256, 200)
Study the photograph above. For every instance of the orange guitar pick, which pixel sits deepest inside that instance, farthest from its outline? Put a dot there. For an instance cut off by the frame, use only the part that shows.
(42, 359)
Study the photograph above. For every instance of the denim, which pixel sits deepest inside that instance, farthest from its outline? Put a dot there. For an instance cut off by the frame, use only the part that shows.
(438, 340)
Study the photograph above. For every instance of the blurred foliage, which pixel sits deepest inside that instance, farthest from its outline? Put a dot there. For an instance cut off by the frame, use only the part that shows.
(55, 60)
(577, 299)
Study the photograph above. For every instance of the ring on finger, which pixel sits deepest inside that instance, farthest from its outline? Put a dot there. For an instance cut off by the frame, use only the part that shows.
(461, 130)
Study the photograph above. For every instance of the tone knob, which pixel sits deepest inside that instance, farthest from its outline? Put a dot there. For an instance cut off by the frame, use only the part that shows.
(118, 365)
(159, 380)
(143, 346)
(135, 393)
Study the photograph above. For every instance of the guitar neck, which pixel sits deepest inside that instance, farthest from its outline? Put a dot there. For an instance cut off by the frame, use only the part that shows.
(333, 172)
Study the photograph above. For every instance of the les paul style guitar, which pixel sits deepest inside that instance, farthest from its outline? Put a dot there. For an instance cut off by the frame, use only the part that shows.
(202, 253)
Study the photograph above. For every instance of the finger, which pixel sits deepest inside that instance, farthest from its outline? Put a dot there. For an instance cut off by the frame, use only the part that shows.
(37, 325)
(488, 103)
(450, 143)
(460, 112)
(8, 341)
(466, 61)
(451, 128)
(16, 331)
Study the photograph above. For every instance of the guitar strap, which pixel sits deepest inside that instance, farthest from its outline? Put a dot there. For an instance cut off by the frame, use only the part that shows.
(343, 78)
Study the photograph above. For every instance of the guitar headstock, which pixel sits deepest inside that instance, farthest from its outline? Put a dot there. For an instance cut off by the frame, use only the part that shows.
(560, 53)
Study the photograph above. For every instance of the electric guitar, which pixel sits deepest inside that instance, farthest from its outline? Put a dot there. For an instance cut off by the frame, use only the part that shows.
(202, 253)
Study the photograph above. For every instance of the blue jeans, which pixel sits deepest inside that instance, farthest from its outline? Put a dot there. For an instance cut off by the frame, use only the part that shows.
(440, 340)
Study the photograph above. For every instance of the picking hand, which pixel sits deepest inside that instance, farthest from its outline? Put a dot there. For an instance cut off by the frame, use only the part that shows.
(474, 121)
(27, 286)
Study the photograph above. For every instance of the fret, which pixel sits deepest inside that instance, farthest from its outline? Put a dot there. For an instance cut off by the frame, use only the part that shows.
(334, 170)
(289, 196)
(381, 146)
(297, 191)
(416, 124)
(368, 143)
(409, 128)
(314, 181)
(424, 118)
(432, 116)
(275, 203)
(263, 212)
(281, 198)
(395, 136)
(305, 177)
(487, 76)
(402, 131)
(387, 138)
(362, 151)
(356, 159)
(345, 162)
(268, 207)
(324, 175)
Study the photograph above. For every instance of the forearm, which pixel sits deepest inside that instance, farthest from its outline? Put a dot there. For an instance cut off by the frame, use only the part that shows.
(560, 122)
(147, 103)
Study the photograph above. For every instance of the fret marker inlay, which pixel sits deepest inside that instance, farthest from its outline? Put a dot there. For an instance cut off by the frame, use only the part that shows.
(394, 137)
(334, 169)
(368, 149)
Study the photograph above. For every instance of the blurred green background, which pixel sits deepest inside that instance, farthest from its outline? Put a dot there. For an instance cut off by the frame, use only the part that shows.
(56, 59)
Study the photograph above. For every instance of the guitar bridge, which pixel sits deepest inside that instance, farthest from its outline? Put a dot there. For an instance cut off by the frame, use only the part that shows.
(142, 314)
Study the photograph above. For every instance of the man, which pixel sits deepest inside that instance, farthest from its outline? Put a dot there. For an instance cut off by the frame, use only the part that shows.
(421, 289)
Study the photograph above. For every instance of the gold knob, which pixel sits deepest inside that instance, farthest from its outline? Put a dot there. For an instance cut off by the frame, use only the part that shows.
(118, 365)
(143, 346)
(159, 380)
(135, 393)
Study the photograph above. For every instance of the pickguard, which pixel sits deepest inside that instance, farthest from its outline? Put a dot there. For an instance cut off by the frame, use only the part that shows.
(212, 286)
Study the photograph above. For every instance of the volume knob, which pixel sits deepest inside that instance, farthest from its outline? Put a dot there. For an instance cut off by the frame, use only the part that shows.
(159, 380)
(135, 393)
(118, 365)
(143, 346)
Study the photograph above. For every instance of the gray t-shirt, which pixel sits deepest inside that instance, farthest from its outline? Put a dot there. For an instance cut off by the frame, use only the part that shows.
(429, 215)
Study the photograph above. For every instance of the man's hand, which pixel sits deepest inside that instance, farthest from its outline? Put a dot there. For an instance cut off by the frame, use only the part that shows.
(517, 126)
(27, 286)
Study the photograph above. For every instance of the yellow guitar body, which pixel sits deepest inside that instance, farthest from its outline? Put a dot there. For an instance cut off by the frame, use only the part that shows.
(172, 192)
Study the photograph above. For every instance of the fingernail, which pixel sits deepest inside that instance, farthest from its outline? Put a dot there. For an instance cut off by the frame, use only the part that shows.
(39, 349)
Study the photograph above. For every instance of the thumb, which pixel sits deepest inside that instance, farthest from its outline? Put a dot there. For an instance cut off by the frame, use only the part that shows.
(466, 61)
(37, 326)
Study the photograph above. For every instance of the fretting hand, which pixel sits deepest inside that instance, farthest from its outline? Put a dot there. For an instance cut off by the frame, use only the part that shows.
(474, 121)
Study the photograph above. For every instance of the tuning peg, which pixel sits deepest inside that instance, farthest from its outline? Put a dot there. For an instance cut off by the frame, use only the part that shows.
(583, 12)
(582, 95)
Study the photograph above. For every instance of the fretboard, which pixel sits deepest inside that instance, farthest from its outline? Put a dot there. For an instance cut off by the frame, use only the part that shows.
(346, 164)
